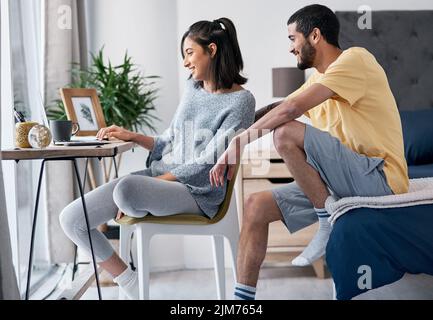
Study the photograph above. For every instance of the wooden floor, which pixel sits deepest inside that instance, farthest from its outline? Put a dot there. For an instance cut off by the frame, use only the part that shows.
(288, 283)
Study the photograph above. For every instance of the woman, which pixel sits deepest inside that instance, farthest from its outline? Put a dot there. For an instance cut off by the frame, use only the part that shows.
(213, 107)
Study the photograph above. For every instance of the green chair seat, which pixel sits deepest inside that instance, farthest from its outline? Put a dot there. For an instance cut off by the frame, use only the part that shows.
(186, 218)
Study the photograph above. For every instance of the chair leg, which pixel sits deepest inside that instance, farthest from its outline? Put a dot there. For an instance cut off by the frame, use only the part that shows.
(232, 232)
(125, 242)
(218, 250)
(143, 263)
(124, 248)
(234, 241)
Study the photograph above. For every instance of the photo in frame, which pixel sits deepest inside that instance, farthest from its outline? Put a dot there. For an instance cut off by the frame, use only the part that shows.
(82, 106)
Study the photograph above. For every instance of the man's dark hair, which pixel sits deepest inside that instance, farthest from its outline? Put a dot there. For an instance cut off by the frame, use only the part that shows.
(317, 16)
(225, 68)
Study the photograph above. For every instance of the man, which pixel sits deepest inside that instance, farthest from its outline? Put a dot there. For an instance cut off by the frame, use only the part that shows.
(353, 148)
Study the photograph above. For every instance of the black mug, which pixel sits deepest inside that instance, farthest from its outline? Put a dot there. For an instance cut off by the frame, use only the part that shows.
(63, 130)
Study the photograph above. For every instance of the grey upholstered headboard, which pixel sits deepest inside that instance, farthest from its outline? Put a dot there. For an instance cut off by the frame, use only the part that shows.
(402, 42)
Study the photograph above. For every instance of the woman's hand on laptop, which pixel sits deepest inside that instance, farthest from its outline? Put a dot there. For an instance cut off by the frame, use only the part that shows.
(116, 133)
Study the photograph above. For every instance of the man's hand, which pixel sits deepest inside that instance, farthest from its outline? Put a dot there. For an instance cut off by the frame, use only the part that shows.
(116, 133)
(229, 159)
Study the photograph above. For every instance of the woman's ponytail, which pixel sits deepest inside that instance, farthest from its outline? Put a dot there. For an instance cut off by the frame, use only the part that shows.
(227, 62)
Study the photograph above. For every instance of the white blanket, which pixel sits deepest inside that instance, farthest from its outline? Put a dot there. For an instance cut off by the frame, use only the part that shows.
(420, 192)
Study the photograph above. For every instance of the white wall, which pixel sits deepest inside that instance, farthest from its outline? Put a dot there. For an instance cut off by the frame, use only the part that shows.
(152, 30)
(147, 30)
(262, 30)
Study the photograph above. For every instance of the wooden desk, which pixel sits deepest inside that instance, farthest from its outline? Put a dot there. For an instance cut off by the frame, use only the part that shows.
(65, 153)
(53, 152)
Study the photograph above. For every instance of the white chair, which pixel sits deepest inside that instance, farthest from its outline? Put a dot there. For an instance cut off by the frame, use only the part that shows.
(224, 224)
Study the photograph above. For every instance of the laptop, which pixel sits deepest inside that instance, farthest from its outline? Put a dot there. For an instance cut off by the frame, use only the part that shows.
(82, 141)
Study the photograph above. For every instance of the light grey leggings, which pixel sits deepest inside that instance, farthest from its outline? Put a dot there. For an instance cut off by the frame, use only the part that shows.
(136, 195)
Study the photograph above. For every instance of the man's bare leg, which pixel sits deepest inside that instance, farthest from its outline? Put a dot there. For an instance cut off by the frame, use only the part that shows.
(260, 210)
(289, 142)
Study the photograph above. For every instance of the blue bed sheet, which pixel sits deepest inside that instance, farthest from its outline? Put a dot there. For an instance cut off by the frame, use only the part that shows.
(421, 171)
(391, 242)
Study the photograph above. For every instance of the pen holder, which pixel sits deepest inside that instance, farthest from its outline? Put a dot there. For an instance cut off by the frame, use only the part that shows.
(21, 134)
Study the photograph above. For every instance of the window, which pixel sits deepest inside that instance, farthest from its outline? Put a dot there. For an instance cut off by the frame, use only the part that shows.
(20, 74)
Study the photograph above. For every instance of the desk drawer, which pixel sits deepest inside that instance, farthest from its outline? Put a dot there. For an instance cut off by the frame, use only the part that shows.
(258, 185)
(279, 236)
(265, 168)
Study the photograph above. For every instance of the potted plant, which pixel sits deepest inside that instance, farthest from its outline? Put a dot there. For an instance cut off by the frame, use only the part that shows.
(126, 96)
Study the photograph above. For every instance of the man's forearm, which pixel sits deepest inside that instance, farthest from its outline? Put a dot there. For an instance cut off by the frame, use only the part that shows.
(263, 111)
(286, 111)
(283, 113)
(144, 141)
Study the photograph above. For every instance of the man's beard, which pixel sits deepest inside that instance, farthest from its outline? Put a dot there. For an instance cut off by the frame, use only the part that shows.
(306, 55)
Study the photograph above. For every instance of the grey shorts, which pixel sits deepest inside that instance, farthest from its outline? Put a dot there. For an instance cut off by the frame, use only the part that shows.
(345, 172)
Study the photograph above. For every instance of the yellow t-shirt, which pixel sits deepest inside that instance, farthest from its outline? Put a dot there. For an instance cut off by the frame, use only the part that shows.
(363, 114)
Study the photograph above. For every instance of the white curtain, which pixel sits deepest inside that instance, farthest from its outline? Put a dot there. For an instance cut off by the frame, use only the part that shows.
(24, 31)
(28, 41)
(8, 281)
(64, 43)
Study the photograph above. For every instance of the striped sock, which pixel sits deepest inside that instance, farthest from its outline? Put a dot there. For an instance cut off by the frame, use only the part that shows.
(317, 247)
(244, 292)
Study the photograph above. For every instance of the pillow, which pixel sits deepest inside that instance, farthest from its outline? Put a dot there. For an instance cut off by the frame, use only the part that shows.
(418, 136)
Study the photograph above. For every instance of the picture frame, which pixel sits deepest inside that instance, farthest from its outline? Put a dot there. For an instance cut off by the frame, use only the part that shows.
(83, 107)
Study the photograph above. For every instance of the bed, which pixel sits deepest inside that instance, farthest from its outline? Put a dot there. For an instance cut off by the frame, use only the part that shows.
(370, 248)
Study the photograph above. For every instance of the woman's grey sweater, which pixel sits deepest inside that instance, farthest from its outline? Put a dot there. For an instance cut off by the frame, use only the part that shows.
(200, 131)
